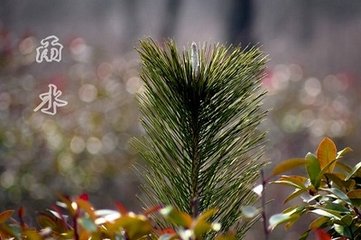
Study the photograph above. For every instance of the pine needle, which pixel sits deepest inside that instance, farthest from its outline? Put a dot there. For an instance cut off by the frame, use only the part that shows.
(200, 111)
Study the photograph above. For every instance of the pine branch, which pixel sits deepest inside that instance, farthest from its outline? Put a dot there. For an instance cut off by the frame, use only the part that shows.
(200, 111)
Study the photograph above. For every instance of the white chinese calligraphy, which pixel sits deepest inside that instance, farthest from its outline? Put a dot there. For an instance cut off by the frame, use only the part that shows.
(51, 98)
(50, 50)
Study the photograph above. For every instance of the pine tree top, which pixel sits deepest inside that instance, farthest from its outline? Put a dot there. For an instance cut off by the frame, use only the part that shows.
(200, 110)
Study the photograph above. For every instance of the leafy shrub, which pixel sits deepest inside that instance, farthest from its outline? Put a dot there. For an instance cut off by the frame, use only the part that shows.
(83, 221)
(330, 190)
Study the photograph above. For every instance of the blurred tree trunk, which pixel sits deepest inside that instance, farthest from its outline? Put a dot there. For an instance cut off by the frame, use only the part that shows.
(240, 22)
(6, 13)
(132, 22)
(170, 18)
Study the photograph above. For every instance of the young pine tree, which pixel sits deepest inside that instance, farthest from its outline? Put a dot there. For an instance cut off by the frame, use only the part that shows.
(200, 111)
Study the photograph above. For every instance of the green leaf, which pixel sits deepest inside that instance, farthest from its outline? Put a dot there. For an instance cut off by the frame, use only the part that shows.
(287, 165)
(343, 231)
(304, 235)
(354, 171)
(347, 219)
(293, 180)
(313, 169)
(289, 215)
(326, 213)
(135, 226)
(326, 152)
(176, 217)
(280, 218)
(338, 193)
(318, 222)
(295, 194)
(326, 169)
(338, 206)
(336, 179)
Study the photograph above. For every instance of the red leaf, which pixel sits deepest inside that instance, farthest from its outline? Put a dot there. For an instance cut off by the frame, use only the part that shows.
(84, 196)
(5, 215)
(167, 231)
(153, 210)
(123, 211)
(322, 235)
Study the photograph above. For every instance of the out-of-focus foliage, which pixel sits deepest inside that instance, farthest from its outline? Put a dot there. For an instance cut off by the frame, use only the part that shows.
(330, 189)
(84, 146)
(76, 218)
(306, 108)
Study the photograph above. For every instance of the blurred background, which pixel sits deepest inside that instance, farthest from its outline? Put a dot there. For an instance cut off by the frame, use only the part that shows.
(313, 84)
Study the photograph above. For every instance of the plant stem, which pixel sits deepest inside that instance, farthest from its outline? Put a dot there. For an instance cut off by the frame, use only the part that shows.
(263, 202)
(195, 172)
(75, 224)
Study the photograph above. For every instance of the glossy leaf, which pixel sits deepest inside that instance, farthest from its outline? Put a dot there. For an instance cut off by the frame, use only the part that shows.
(326, 152)
(295, 194)
(288, 165)
(326, 169)
(280, 218)
(286, 216)
(318, 222)
(343, 152)
(347, 220)
(336, 179)
(338, 206)
(354, 171)
(135, 226)
(304, 235)
(327, 213)
(343, 230)
(313, 169)
(338, 193)
(176, 217)
(293, 180)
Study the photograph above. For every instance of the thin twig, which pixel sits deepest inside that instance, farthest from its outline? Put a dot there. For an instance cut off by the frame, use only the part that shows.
(263, 202)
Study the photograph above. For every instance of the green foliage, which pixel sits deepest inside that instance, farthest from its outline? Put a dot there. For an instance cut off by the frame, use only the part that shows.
(329, 190)
(201, 109)
(84, 222)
